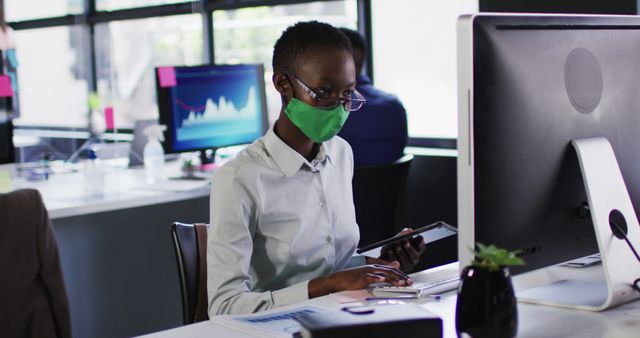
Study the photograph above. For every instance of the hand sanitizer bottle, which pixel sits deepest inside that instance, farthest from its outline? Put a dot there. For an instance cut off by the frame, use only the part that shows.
(93, 177)
(153, 153)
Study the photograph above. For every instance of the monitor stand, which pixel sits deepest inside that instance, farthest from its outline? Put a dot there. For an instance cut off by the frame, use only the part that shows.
(609, 203)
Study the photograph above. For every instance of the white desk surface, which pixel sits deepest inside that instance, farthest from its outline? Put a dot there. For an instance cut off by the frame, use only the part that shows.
(63, 194)
(534, 321)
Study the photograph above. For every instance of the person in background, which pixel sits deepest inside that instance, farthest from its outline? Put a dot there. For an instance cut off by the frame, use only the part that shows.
(283, 225)
(378, 132)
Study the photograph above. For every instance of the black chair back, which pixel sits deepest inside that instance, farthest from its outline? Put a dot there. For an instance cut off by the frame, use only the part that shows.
(189, 241)
(378, 194)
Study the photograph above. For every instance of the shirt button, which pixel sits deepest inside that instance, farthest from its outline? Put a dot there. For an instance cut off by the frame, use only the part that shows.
(321, 205)
(329, 239)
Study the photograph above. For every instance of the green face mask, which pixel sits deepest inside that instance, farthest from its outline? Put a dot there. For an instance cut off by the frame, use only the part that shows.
(318, 124)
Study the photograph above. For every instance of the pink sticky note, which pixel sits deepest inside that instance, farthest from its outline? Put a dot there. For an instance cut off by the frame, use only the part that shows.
(108, 117)
(5, 86)
(167, 76)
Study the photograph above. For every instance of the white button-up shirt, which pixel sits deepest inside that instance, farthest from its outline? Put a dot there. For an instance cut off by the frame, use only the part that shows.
(277, 221)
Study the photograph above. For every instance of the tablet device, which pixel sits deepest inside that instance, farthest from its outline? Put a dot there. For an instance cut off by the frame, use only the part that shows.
(430, 233)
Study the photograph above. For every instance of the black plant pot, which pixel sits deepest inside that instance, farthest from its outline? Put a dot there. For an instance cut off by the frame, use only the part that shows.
(486, 305)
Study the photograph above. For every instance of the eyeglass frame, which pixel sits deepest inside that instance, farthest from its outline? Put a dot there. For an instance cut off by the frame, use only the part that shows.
(341, 100)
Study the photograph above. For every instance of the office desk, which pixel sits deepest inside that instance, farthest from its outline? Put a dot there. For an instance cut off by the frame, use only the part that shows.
(63, 194)
(116, 251)
(535, 321)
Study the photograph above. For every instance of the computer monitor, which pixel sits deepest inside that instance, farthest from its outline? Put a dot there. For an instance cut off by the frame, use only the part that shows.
(527, 86)
(211, 106)
(7, 152)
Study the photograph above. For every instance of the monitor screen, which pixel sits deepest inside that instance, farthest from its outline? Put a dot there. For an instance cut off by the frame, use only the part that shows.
(528, 86)
(7, 154)
(211, 106)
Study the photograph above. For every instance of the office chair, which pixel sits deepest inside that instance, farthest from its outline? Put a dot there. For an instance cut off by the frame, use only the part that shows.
(33, 297)
(378, 194)
(190, 244)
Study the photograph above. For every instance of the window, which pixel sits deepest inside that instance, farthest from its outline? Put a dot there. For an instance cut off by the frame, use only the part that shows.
(18, 10)
(110, 5)
(56, 71)
(52, 72)
(247, 35)
(126, 56)
(416, 60)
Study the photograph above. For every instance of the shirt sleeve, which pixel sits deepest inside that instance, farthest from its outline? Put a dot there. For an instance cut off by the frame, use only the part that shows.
(356, 261)
(233, 222)
(404, 132)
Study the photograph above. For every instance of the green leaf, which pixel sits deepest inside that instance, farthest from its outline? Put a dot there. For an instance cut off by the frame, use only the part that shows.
(493, 258)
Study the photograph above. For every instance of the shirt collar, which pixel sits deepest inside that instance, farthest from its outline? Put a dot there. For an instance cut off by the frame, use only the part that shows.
(289, 160)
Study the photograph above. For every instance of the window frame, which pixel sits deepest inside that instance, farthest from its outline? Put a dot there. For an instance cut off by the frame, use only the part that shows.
(90, 17)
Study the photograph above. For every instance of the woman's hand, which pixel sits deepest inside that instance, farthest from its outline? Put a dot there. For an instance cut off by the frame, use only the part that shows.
(358, 278)
(407, 251)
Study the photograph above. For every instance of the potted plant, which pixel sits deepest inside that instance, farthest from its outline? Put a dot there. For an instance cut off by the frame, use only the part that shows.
(486, 305)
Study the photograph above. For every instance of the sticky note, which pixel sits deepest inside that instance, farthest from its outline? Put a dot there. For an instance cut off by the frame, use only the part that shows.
(94, 101)
(5, 181)
(5, 86)
(167, 76)
(108, 117)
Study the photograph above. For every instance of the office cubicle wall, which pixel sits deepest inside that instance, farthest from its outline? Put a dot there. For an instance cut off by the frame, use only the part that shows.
(120, 268)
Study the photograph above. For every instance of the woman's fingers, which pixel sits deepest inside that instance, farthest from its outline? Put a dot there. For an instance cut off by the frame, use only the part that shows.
(391, 275)
(372, 278)
(403, 254)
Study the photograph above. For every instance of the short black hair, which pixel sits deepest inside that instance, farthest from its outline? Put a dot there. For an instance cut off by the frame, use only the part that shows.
(298, 38)
(356, 39)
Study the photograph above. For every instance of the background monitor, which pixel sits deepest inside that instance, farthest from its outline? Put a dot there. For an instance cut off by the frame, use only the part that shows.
(7, 152)
(528, 85)
(211, 106)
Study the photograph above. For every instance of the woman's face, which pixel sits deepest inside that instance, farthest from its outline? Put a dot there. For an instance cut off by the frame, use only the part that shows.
(326, 71)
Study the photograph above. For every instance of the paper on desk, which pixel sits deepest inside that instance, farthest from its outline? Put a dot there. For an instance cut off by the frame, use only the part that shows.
(5, 181)
(271, 323)
(625, 329)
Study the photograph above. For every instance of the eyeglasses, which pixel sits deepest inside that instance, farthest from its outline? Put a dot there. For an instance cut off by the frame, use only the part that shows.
(354, 102)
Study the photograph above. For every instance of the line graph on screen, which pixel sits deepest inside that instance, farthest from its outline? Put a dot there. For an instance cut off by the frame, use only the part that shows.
(220, 114)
